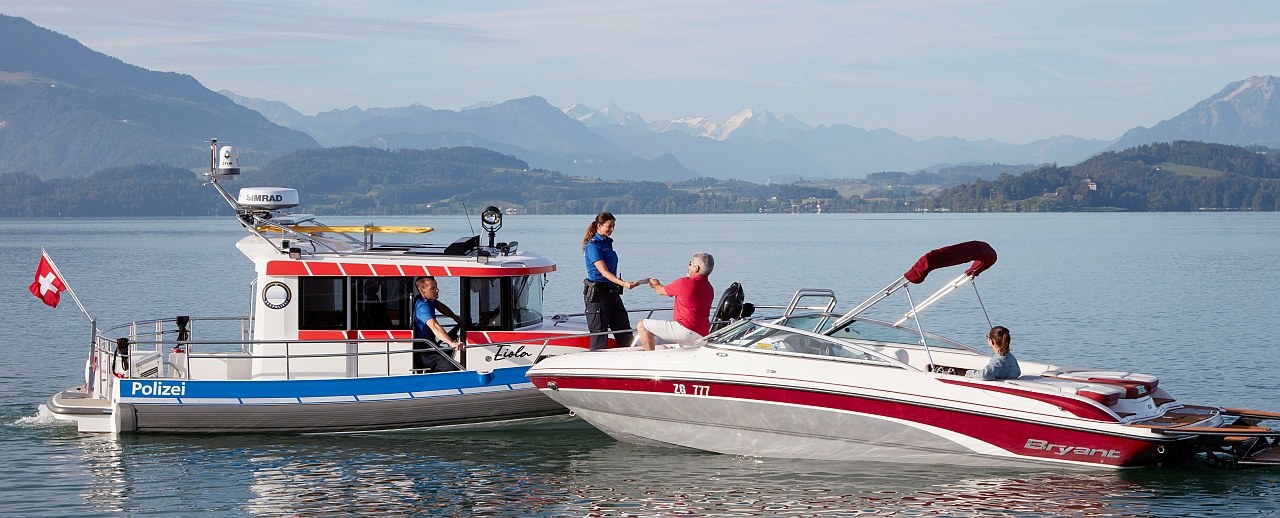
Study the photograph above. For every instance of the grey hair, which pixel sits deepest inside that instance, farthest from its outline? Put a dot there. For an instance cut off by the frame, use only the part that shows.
(704, 262)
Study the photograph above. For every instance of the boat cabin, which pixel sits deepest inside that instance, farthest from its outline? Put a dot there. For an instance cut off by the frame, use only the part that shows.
(328, 302)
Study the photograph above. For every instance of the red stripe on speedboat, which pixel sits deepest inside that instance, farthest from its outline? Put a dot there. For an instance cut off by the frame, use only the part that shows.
(413, 270)
(286, 268)
(386, 270)
(1076, 407)
(323, 268)
(357, 269)
(1015, 436)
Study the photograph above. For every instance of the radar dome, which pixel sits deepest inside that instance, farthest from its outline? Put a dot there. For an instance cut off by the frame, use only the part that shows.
(228, 161)
(268, 198)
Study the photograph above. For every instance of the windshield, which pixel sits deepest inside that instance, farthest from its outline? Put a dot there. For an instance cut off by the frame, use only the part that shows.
(760, 336)
(869, 330)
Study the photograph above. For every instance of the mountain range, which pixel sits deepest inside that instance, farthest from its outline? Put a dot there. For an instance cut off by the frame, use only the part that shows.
(66, 110)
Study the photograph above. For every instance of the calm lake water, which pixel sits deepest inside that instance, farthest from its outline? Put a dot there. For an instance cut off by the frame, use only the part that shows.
(1187, 297)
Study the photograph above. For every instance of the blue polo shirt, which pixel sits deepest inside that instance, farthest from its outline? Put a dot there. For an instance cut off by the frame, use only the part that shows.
(423, 311)
(598, 248)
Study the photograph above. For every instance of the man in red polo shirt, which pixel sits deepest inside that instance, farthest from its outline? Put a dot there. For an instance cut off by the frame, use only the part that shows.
(692, 307)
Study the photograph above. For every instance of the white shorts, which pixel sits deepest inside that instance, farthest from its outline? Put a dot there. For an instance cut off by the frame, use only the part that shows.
(670, 332)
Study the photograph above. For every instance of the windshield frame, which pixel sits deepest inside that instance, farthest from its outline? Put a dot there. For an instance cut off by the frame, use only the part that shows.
(743, 330)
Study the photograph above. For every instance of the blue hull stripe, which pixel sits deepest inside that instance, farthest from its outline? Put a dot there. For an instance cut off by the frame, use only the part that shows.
(385, 388)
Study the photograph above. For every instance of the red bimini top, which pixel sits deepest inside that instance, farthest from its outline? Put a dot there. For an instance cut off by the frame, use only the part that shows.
(982, 255)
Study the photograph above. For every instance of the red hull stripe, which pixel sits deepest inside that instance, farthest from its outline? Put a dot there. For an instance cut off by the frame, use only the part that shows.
(374, 335)
(322, 335)
(286, 268)
(357, 269)
(306, 268)
(1076, 407)
(1017, 437)
(322, 268)
(366, 334)
(459, 271)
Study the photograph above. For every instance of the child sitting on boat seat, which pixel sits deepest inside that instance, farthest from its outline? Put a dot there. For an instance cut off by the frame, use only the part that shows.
(1003, 365)
(425, 327)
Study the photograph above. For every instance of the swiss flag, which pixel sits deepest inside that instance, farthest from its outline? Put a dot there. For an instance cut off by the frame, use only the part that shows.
(48, 286)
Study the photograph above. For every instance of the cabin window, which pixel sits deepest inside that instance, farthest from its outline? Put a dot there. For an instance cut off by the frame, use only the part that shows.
(484, 303)
(527, 293)
(322, 303)
(383, 302)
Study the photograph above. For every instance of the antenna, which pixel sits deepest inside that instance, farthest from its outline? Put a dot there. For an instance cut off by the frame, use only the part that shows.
(468, 214)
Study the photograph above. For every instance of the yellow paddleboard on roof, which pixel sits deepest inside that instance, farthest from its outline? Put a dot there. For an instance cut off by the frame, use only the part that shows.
(349, 229)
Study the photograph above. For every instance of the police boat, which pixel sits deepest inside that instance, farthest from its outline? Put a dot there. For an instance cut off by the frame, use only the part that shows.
(328, 344)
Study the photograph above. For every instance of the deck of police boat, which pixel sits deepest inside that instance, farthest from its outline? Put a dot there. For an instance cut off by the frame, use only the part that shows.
(328, 344)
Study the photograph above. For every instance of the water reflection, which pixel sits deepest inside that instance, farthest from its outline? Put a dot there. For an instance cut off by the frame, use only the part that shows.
(657, 482)
(112, 483)
(584, 473)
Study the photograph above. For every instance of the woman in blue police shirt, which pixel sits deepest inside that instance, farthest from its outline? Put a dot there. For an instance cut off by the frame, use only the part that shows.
(603, 291)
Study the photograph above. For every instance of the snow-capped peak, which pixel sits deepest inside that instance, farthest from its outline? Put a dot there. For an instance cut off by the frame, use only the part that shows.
(611, 114)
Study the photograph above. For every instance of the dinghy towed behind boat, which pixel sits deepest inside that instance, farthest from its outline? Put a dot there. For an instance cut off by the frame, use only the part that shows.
(815, 384)
(328, 344)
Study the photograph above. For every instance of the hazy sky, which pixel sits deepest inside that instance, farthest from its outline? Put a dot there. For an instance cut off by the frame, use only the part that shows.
(1012, 70)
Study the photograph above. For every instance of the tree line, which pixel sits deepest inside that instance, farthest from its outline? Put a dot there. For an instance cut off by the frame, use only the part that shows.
(1178, 176)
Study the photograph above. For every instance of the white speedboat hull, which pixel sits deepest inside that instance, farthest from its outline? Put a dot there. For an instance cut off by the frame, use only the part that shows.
(814, 384)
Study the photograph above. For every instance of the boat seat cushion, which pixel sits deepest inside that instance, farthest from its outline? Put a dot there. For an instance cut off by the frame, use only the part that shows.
(1103, 393)
(1135, 385)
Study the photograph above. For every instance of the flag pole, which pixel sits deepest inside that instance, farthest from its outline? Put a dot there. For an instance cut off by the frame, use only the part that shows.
(67, 284)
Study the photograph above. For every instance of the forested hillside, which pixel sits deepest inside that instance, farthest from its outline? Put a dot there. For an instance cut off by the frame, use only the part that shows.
(1178, 176)
(1181, 176)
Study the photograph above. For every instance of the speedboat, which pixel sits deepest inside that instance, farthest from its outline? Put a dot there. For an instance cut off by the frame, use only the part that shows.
(813, 383)
(328, 343)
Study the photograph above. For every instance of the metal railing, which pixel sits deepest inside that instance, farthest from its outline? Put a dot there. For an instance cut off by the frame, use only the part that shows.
(154, 349)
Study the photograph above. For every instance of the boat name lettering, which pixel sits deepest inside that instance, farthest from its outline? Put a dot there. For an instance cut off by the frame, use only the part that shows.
(157, 388)
(698, 390)
(1064, 449)
(505, 352)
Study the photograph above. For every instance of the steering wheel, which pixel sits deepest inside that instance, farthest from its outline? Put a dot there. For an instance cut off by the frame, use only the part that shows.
(452, 330)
